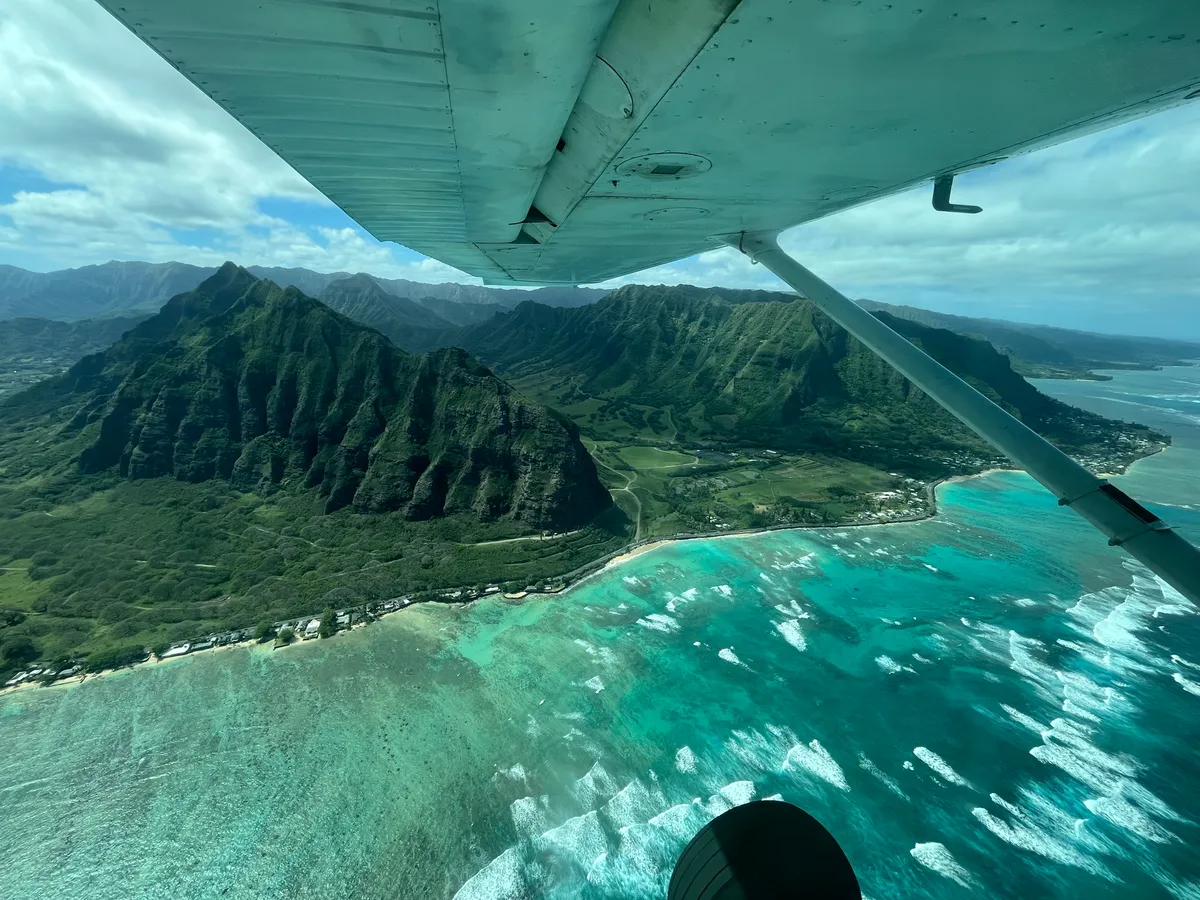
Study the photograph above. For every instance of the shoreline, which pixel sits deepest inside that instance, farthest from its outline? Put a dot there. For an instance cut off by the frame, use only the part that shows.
(574, 578)
(584, 573)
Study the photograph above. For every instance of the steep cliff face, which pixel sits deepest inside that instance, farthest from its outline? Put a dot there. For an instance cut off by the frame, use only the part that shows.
(246, 381)
(761, 368)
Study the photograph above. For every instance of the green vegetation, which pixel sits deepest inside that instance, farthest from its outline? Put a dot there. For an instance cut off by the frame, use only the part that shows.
(285, 637)
(643, 458)
(328, 624)
(246, 452)
(249, 456)
(157, 561)
(714, 492)
(739, 371)
(408, 324)
(34, 349)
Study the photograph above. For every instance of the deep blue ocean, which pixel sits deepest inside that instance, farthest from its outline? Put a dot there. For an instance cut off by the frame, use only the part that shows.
(992, 703)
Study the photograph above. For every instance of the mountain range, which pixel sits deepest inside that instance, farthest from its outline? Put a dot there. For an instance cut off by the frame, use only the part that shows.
(263, 386)
(249, 453)
(1047, 352)
(127, 288)
(757, 368)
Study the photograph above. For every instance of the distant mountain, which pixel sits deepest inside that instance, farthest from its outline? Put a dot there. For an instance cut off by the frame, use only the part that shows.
(741, 368)
(361, 298)
(115, 288)
(263, 386)
(125, 287)
(1044, 351)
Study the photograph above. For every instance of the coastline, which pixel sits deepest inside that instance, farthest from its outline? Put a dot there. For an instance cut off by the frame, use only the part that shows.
(584, 573)
(573, 579)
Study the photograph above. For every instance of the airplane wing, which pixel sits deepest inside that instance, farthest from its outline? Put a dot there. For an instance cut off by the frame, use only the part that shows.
(568, 141)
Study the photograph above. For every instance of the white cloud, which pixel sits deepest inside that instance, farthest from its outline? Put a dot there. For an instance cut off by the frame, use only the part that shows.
(1101, 232)
(107, 154)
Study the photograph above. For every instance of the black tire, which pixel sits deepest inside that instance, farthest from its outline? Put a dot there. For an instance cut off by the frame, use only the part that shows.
(766, 850)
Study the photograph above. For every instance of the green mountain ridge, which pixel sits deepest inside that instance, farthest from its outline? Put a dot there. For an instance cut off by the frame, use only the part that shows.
(758, 368)
(1046, 351)
(265, 387)
(361, 298)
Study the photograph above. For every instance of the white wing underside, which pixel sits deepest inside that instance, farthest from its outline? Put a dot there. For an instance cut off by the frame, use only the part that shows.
(542, 141)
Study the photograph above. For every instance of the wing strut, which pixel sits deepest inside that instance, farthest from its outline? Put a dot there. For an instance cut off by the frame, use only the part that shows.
(1126, 523)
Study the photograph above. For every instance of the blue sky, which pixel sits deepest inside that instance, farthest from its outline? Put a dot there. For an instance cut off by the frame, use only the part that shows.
(107, 153)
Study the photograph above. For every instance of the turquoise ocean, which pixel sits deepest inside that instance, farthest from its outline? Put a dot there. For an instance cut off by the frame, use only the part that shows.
(989, 703)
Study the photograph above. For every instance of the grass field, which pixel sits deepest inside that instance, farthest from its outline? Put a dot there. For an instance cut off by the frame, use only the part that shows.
(644, 458)
(670, 492)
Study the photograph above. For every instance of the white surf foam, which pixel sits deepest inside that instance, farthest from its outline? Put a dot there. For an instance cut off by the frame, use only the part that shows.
(792, 610)
(637, 802)
(1190, 686)
(678, 600)
(890, 665)
(724, 590)
(816, 760)
(1007, 807)
(595, 684)
(1035, 840)
(596, 784)
(1067, 745)
(882, 777)
(659, 622)
(515, 772)
(730, 657)
(790, 631)
(685, 760)
(529, 815)
(937, 858)
(580, 840)
(1180, 661)
(940, 766)
(1025, 601)
(755, 751)
(1124, 814)
(683, 820)
(1028, 721)
(498, 880)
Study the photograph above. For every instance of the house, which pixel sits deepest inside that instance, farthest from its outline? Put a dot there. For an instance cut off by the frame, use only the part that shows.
(202, 645)
(343, 620)
(311, 629)
(491, 589)
(177, 650)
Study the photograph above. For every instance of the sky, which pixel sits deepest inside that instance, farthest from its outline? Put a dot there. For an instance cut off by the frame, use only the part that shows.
(108, 153)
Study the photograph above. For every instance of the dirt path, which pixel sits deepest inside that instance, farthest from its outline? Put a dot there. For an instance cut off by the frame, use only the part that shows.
(528, 537)
(629, 480)
(286, 537)
(671, 422)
